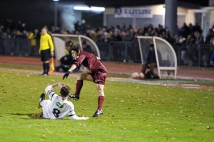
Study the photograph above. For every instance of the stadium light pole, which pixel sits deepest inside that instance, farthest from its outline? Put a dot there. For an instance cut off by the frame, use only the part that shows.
(55, 19)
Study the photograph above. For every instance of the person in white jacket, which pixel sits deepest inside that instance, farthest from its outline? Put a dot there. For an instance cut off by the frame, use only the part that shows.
(57, 107)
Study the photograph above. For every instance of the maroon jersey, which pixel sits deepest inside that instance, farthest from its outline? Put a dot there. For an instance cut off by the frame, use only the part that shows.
(90, 61)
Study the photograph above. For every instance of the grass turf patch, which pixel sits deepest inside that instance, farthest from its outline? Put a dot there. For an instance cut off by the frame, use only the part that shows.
(15, 66)
(38, 68)
(132, 112)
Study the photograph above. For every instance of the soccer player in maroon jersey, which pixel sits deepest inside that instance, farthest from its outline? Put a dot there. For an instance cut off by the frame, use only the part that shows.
(97, 74)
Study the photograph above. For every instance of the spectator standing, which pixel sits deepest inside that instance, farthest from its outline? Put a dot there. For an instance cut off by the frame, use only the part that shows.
(198, 41)
(9, 42)
(190, 48)
(191, 29)
(184, 30)
(76, 26)
(19, 42)
(32, 44)
(209, 36)
(116, 36)
(86, 47)
(100, 37)
(88, 32)
(25, 46)
(83, 27)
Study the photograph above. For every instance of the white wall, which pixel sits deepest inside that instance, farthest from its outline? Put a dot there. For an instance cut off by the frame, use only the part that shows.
(160, 10)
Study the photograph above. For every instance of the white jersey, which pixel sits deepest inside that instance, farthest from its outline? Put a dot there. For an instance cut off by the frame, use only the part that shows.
(55, 107)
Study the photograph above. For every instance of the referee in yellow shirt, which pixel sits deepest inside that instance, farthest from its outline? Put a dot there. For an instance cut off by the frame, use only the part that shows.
(46, 50)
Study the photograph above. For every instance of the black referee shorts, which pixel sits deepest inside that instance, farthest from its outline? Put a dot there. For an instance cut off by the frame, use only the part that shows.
(45, 55)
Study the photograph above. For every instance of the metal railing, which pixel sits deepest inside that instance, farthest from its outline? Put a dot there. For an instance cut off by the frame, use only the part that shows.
(194, 55)
(120, 51)
(18, 47)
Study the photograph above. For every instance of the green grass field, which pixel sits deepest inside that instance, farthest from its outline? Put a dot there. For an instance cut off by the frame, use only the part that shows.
(132, 112)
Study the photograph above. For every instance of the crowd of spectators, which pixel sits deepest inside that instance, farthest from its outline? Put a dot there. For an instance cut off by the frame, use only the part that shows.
(187, 35)
(10, 29)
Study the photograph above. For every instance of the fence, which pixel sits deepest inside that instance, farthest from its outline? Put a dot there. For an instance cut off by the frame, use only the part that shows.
(120, 51)
(18, 47)
(194, 55)
(117, 51)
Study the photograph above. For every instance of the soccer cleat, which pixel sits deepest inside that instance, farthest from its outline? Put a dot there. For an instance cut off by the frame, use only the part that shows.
(75, 97)
(98, 113)
(44, 74)
(41, 98)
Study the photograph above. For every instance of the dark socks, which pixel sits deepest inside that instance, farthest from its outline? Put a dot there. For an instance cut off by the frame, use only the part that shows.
(100, 102)
(46, 68)
(43, 68)
(79, 85)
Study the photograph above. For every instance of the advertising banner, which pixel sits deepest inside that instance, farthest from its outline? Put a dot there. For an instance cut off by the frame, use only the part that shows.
(139, 12)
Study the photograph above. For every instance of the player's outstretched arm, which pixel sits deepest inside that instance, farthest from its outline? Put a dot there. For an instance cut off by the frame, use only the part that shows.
(51, 87)
(60, 84)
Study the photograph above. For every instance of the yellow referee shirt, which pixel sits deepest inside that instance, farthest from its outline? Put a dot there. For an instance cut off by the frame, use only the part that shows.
(46, 43)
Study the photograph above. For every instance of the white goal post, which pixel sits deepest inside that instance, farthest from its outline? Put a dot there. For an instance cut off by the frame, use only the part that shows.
(164, 52)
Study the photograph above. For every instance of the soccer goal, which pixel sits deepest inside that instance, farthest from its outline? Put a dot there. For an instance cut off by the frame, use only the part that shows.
(165, 55)
(60, 40)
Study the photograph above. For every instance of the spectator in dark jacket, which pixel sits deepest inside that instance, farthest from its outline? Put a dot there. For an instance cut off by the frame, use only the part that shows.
(67, 60)
(150, 62)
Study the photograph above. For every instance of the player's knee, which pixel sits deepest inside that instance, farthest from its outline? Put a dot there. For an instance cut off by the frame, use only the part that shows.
(81, 77)
(101, 93)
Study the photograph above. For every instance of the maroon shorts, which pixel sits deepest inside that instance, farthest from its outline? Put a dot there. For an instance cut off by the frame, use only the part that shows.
(99, 76)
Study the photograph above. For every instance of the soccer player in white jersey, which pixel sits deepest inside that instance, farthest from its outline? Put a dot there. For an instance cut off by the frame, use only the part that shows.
(57, 107)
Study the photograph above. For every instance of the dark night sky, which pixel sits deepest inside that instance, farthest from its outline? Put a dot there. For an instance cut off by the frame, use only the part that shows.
(112, 3)
(38, 13)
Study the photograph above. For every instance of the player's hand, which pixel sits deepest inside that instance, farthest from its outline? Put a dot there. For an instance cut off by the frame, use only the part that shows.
(66, 75)
(61, 84)
(52, 54)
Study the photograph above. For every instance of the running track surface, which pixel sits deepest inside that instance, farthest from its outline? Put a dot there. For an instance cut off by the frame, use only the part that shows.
(121, 68)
